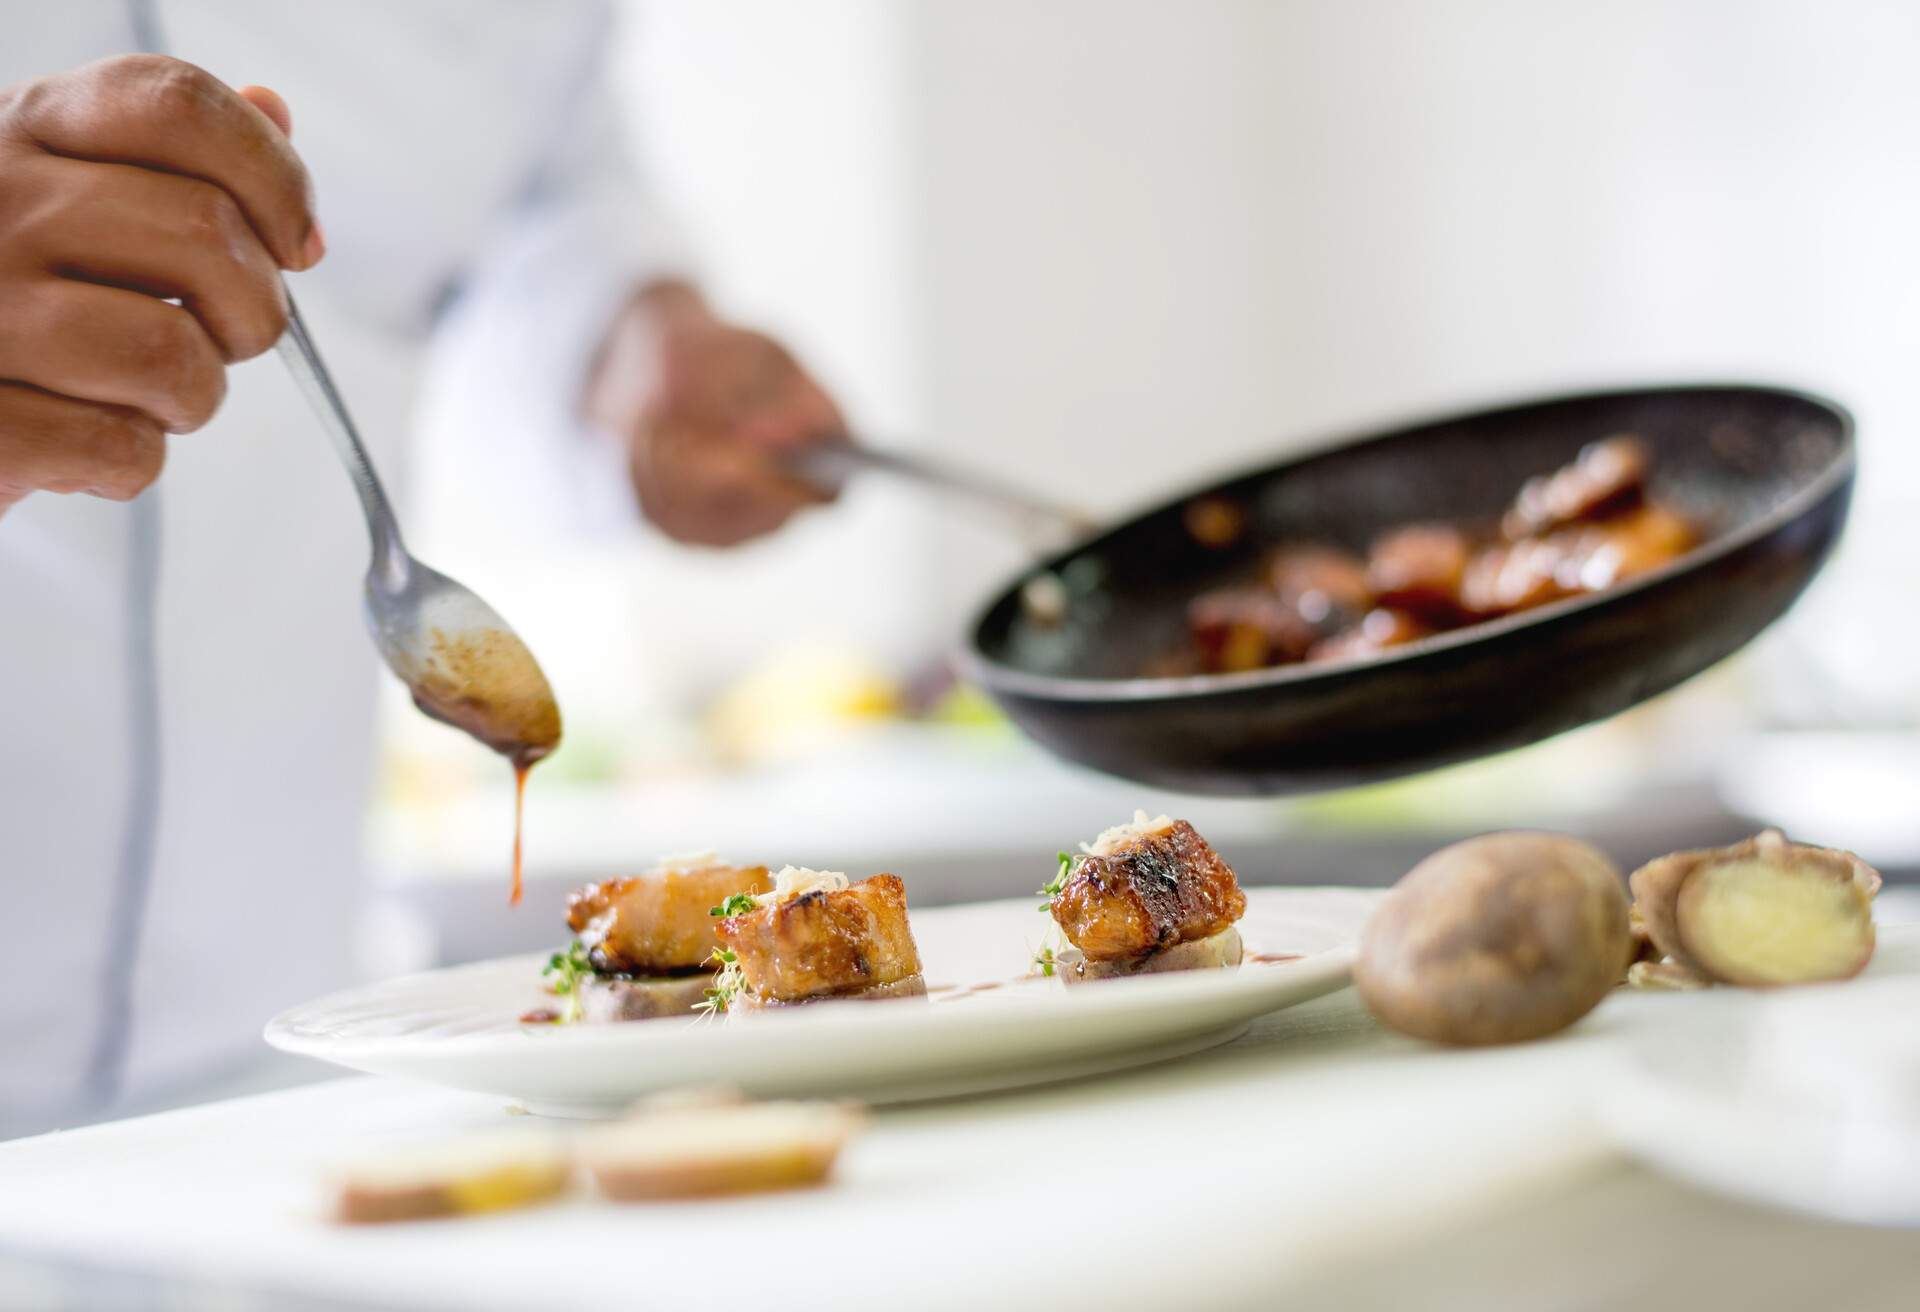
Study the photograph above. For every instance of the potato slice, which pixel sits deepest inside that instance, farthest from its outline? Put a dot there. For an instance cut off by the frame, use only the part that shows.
(746, 1001)
(1759, 922)
(477, 1173)
(1213, 952)
(704, 1151)
(604, 1000)
(1765, 911)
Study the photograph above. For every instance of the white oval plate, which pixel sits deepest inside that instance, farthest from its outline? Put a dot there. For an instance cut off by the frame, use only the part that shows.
(985, 1025)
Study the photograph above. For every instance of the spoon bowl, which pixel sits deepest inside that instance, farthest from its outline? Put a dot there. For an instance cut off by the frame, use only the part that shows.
(462, 663)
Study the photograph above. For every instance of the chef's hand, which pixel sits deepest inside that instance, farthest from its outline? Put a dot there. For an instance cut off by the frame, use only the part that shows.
(707, 409)
(122, 185)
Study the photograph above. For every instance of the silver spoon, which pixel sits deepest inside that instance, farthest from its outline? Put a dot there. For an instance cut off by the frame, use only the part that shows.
(463, 664)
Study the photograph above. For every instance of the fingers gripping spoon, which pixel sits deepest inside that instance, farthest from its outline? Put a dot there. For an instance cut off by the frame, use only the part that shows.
(462, 663)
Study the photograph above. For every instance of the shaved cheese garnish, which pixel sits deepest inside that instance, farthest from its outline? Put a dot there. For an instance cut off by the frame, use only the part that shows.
(795, 881)
(1112, 840)
(688, 861)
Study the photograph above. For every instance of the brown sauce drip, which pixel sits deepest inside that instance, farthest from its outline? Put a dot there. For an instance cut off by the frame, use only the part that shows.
(955, 992)
(540, 1016)
(488, 685)
(519, 825)
(1270, 958)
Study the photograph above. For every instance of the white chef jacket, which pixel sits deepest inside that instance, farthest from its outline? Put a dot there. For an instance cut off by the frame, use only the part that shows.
(185, 684)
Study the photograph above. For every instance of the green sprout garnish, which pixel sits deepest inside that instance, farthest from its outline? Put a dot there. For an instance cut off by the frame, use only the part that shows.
(1043, 959)
(567, 968)
(725, 984)
(737, 905)
(1051, 889)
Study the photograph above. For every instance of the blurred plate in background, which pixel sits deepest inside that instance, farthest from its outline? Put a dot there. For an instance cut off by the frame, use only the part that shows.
(1806, 1099)
(1854, 789)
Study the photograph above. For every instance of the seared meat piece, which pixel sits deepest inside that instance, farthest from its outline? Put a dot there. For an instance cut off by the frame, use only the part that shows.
(1419, 568)
(832, 939)
(1634, 543)
(1377, 631)
(1144, 887)
(657, 922)
(1583, 528)
(1572, 560)
(1247, 628)
(1214, 522)
(1327, 586)
(1606, 477)
(1518, 575)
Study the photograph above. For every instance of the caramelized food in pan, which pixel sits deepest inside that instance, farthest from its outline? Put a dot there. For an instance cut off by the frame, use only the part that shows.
(1248, 629)
(1606, 476)
(1144, 897)
(1579, 529)
(1420, 569)
(817, 936)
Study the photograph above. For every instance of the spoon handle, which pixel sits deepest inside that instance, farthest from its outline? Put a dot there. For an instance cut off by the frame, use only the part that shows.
(309, 371)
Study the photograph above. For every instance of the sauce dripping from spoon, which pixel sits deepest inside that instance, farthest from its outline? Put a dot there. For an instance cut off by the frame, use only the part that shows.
(519, 826)
(486, 683)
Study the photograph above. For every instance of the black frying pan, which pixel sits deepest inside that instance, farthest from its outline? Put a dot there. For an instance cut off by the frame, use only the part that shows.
(1766, 472)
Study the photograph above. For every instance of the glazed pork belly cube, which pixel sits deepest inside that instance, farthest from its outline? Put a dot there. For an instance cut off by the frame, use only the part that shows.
(817, 936)
(1378, 630)
(1634, 543)
(1607, 477)
(1328, 587)
(1420, 568)
(1577, 559)
(1247, 628)
(658, 923)
(1513, 576)
(1147, 888)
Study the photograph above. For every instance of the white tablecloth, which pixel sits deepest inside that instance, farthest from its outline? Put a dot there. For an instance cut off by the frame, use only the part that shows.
(1315, 1139)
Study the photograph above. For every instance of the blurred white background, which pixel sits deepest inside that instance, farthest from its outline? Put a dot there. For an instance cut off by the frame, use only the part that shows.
(1108, 248)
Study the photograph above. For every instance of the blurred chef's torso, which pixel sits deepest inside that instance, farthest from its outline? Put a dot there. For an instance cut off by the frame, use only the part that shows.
(169, 884)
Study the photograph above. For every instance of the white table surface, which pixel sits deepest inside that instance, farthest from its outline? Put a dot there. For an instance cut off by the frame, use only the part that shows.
(1315, 1143)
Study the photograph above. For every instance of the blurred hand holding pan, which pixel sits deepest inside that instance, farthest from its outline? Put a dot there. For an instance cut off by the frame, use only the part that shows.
(1764, 474)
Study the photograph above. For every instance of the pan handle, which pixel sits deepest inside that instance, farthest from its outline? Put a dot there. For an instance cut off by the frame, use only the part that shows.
(1043, 524)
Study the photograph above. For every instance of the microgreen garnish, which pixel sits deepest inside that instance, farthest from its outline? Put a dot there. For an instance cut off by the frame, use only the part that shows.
(1051, 889)
(1043, 960)
(728, 982)
(737, 905)
(567, 968)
